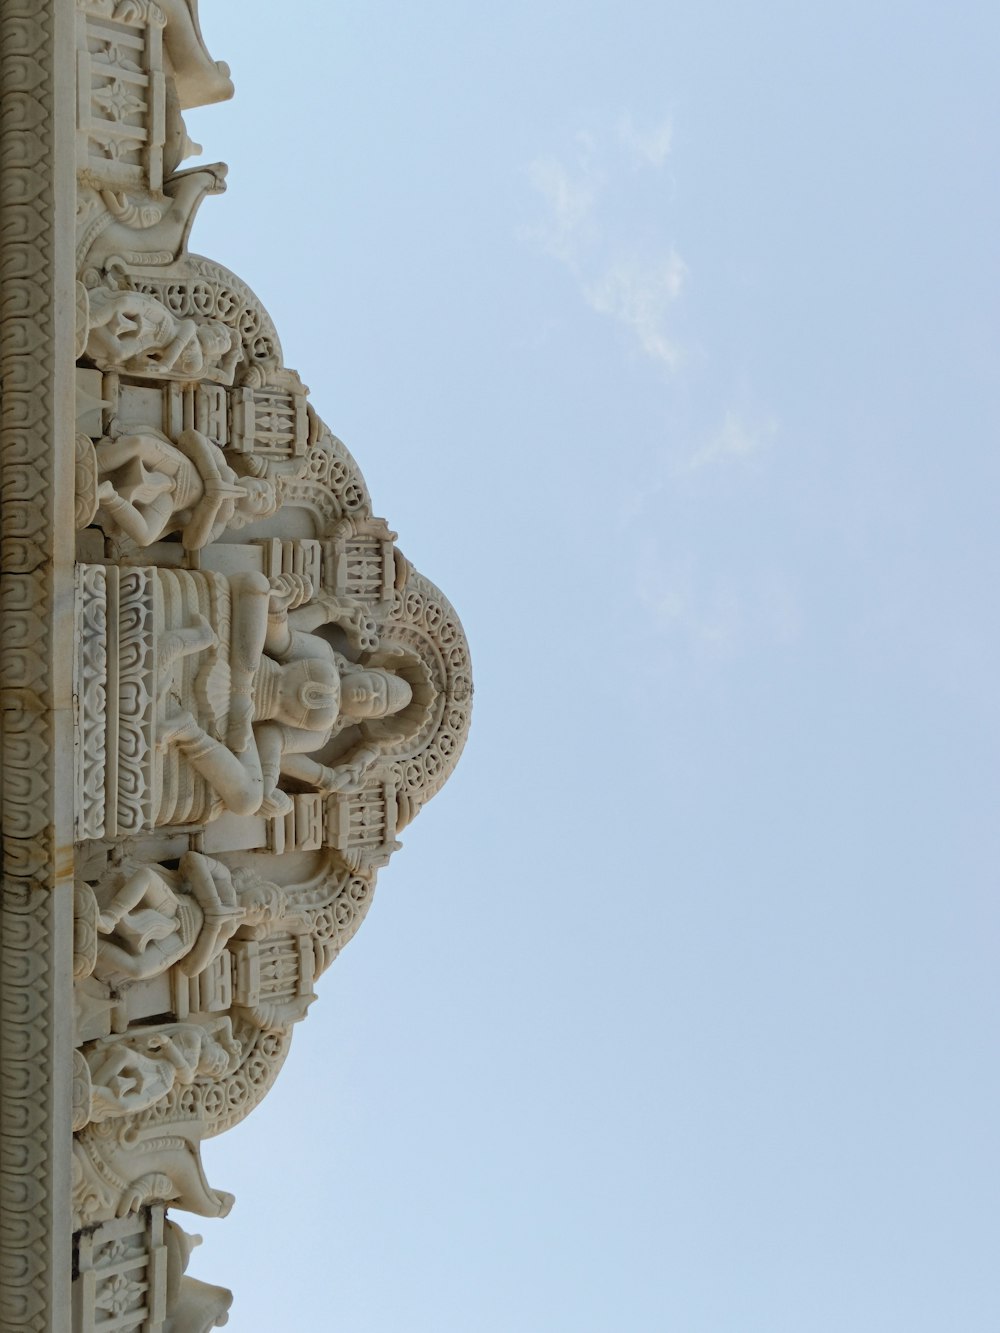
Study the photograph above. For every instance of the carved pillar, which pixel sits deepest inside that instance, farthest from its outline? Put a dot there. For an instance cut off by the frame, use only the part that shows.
(37, 198)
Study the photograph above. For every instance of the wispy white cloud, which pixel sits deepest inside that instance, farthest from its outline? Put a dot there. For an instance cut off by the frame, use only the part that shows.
(635, 289)
(639, 296)
(570, 196)
(715, 614)
(665, 588)
(648, 147)
(736, 438)
(695, 616)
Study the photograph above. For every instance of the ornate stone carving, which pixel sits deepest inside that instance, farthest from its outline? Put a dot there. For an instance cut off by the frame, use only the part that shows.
(135, 333)
(36, 630)
(121, 93)
(90, 691)
(133, 638)
(131, 1279)
(149, 488)
(219, 712)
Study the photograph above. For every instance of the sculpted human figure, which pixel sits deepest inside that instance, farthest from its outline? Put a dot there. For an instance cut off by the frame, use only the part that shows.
(149, 487)
(159, 918)
(134, 331)
(290, 694)
(133, 1072)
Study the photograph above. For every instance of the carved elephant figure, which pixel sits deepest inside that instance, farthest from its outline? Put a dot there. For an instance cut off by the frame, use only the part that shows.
(143, 231)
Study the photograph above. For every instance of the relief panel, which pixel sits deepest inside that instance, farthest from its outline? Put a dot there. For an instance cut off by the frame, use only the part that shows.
(265, 691)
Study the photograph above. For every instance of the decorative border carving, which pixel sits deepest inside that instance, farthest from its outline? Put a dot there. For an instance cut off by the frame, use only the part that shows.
(424, 619)
(36, 626)
(90, 690)
(135, 649)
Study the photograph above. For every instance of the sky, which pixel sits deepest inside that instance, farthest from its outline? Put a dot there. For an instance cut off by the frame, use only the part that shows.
(666, 338)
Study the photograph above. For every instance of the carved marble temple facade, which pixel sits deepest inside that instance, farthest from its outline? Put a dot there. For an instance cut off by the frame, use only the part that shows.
(225, 691)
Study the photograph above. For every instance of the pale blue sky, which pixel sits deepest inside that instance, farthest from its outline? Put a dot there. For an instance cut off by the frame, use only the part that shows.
(666, 336)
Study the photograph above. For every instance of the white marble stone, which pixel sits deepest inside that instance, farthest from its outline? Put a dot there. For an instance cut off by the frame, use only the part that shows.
(225, 690)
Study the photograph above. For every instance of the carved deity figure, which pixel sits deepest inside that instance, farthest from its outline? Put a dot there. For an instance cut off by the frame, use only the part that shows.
(149, 487)
(158, 918)
(135, 332)
(134, 1071)
(290, 694)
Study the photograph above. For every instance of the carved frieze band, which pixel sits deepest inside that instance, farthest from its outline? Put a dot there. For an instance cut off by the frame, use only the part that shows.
(90, 689)
(136, 644)
(36, 614)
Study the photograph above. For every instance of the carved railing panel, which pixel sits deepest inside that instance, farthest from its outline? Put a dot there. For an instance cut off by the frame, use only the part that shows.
(121, 95)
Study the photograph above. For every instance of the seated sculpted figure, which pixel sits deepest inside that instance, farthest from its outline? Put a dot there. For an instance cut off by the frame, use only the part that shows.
(135, 332)
(158, 918)
(149, 487)
(290, 693)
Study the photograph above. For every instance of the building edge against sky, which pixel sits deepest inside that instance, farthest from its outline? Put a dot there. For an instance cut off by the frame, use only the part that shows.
(225, 689)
